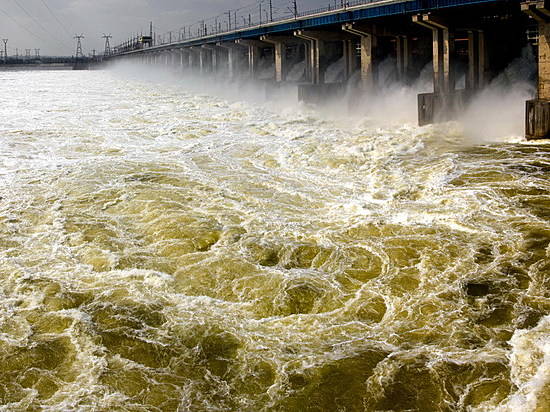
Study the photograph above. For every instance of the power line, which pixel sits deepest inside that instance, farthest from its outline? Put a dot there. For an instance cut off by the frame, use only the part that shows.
(264, 11)
(20, 25)
(269, 11)
(55, 17)
(40, 24)
(231, 21)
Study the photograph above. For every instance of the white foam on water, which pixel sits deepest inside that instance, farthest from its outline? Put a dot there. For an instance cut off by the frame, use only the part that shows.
(176, 218)
(530, 369)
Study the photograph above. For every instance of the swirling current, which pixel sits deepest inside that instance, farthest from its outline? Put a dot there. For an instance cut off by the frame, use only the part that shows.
(166, 249)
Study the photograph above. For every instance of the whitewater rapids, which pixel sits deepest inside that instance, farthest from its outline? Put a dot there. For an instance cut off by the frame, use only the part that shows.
(166, 249)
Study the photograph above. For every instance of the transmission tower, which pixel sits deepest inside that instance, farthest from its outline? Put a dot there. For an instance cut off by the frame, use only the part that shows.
(5, 50)
(107, 51)
(79, 46)
(37, 53)
(27, 54)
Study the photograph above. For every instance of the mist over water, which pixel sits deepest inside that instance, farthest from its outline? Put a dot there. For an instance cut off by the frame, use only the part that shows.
(175, 243)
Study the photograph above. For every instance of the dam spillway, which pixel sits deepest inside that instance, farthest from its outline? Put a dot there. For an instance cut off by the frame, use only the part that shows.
(473, 39)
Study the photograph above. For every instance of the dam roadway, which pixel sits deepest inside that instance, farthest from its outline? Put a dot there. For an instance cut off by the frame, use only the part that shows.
(466, 42)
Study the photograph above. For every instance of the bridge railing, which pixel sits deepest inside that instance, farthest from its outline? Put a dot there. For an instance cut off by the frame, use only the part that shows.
(217, 29)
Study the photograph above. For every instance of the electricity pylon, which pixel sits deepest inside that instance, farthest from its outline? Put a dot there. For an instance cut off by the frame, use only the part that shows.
(5, 50)
(79, 46)
(107, 51)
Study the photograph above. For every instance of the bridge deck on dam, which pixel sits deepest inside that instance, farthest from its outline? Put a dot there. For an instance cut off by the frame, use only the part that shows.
(371, 10)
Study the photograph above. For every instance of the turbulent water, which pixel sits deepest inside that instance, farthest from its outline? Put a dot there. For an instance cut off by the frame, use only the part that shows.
(163, 249)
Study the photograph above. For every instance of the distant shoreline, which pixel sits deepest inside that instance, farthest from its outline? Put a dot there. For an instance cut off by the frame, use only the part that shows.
(35, 67)
(43, 67)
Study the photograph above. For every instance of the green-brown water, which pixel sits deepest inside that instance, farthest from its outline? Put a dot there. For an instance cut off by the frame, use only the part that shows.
(164, 250)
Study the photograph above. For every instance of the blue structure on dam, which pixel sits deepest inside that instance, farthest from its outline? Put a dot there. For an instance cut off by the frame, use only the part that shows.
(473, 40)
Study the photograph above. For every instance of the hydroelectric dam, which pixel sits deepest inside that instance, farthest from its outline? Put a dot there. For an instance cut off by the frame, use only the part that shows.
(468, 43)
(179, 233)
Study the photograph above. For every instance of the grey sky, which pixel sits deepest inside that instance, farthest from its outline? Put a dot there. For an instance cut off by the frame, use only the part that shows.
(28, 24)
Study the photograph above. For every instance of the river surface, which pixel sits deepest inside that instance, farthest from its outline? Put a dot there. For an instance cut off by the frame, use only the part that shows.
(164, 249)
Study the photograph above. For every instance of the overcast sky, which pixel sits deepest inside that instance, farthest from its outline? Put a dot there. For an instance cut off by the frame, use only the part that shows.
(50, 25)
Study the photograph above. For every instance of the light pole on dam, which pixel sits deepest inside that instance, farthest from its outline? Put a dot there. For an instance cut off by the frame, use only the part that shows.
(464, 43)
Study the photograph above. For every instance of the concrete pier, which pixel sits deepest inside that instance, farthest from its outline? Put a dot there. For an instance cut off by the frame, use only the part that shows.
(403, 57)
(323, 48)
(350, 61)
(444, 103)
(185, 59)
(315, 50)
(194, 60)
(254, 54)
(537, 113)
(476, 60)
(236, 56)
(205, 60)
(367, 42)
(215, 58)
(279, 43)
